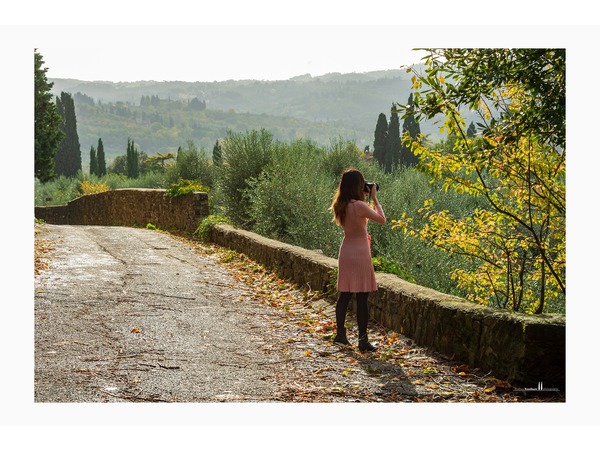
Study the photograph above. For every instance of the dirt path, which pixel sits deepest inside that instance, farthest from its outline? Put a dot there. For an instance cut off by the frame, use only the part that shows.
(135, 315)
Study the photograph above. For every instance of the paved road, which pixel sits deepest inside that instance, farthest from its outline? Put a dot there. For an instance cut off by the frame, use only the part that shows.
(125, 314)
(134, 315)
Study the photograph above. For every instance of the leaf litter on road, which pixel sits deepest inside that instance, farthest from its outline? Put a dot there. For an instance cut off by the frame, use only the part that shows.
(317, 370)
(314, 369)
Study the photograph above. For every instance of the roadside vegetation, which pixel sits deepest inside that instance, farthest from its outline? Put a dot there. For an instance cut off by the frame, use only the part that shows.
(479, 214)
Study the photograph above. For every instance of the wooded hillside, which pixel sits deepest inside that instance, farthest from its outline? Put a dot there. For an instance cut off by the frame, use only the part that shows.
(161, 116)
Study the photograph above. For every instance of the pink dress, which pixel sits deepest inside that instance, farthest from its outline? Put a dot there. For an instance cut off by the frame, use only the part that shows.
(355, 268)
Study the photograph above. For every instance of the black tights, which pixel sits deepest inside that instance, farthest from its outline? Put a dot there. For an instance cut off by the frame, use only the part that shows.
(362, 311)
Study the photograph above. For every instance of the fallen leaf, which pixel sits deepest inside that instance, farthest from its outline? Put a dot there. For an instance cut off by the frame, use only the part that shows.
(461, 368)
(372, 371)
(502, 384)
(135, 330)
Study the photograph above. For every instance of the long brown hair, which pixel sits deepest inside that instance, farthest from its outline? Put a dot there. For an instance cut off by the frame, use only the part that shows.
(351, 187)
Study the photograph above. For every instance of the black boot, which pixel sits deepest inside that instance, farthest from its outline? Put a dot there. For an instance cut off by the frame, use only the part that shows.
(341, 338)
(362, 317)
(364, 345)
(341, 308)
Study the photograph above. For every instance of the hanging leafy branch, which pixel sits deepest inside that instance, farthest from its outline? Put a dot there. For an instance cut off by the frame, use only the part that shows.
(516, 161)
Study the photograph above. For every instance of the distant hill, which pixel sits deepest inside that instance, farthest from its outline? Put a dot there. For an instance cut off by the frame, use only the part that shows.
(320, 108)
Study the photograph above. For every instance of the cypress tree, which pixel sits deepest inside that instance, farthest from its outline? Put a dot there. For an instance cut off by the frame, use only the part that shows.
(392, 158)
(380, 142)
(101, 159)
(133, 170)
(179, 157)
(410, 126)
(135, 159)
(47, 132)
(60, 109)
(93, 162)
(129, 159)
(68, 156)
(471, 131)
(217, 156)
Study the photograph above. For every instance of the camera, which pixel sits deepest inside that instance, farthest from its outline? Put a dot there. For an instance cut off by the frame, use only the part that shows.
(369, 185)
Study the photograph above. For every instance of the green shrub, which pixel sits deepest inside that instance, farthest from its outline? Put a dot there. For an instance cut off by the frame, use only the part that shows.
(191, 164)
(87, 187)
(207, 224)
(288, 201)
(116, 180)
(184, 187)
(244, 155)
(151, 180)
(383, 264)
(59, 191)
(341, 155)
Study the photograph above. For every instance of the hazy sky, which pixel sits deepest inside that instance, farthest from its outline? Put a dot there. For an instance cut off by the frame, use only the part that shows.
(266, 39)
(269, 52)
(223, 53)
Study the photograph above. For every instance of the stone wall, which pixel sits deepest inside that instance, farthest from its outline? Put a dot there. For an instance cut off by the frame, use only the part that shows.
(519, 347)
(130, 207)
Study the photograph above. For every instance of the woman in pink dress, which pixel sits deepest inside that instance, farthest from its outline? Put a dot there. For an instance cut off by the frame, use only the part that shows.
(355, 267)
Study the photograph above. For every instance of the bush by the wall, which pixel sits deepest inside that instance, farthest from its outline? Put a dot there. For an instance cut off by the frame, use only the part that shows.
(207, 224)
(244, 155)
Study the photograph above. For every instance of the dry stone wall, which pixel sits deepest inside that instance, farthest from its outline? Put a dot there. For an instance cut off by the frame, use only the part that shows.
(520, 347)
(130, 207)
(525, 348)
